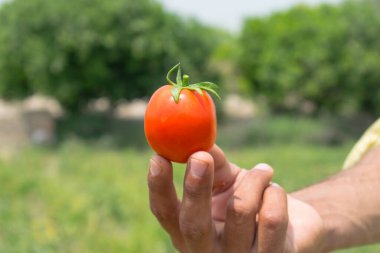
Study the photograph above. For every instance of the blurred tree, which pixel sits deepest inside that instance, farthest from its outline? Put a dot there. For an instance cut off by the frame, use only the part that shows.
(326, 58)
(84, 49)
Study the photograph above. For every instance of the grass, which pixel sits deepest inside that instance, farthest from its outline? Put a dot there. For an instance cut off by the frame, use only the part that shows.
(81, 198)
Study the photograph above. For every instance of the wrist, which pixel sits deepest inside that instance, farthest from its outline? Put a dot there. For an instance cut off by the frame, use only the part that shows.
(340, 225)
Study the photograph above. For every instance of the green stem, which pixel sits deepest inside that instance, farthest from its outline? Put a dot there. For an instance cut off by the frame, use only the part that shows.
(183, 83)
(170, 72)
(185, 80)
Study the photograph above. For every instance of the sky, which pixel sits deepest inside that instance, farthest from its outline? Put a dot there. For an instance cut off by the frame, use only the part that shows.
(229, 14)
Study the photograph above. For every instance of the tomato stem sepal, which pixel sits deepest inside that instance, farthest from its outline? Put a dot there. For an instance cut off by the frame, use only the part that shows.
(183, 83)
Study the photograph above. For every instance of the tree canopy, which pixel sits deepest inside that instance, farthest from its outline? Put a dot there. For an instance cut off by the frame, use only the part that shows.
(327, 55)
(84, 49)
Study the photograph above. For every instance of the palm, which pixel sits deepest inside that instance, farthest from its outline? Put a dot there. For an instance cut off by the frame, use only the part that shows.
(305, 229)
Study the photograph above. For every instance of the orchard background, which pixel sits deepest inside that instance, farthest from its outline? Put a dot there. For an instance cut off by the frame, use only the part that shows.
(298, 88)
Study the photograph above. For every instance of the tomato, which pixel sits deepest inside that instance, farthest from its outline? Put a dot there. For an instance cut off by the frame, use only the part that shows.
(180, 119)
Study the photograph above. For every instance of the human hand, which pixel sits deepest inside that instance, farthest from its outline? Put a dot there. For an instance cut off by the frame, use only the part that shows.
(229, 209)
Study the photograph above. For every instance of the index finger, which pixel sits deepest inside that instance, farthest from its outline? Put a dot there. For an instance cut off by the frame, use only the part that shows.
(163, 198)
(225, 172)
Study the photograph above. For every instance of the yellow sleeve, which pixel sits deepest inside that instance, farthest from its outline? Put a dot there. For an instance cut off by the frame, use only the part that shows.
(369, 140)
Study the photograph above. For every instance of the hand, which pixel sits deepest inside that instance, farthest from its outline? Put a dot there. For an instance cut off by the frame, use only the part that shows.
(228, 209)
(305, 233)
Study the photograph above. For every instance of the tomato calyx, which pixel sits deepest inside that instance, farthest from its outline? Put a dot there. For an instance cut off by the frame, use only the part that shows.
(183, 83)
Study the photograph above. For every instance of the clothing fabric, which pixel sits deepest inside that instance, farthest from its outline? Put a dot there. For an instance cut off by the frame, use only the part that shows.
(369, 140)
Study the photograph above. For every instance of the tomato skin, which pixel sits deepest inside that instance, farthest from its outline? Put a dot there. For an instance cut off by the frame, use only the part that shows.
(177, 130)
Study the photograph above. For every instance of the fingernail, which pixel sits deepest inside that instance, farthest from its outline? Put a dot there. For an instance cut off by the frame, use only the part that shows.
(154, 168)
(197, 168)
(275, 185)
(263, 166)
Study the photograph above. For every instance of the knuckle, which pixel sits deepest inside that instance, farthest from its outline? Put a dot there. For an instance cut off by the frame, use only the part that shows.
(192, 230)
(274, 220)
(195, 191)
(240, 211)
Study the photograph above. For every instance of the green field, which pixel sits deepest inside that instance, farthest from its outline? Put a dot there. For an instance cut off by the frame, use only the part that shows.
(79, 197)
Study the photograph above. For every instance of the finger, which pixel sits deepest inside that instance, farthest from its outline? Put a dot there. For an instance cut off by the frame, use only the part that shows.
(163, 198)
(195, 214)
(273, 221)
(239, 231)
(224, 173)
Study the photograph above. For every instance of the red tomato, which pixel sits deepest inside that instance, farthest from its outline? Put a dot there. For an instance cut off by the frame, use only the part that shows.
(175, 130)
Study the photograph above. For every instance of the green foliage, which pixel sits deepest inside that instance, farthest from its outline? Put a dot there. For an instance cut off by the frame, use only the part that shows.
(78, 50)
(327, 56)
